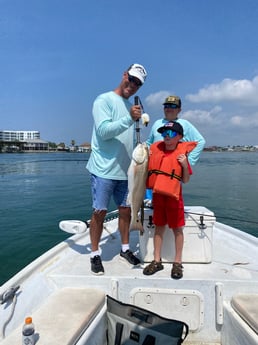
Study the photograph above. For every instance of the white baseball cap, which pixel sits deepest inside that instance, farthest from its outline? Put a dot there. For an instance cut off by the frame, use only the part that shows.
(137, 71)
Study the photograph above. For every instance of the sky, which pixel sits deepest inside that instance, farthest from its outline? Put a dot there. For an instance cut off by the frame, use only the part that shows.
(57, 56)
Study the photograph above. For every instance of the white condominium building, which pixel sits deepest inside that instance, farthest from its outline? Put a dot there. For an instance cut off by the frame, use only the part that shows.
(19, 135)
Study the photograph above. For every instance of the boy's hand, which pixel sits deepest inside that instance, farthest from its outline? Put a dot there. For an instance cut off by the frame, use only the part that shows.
(182, 160)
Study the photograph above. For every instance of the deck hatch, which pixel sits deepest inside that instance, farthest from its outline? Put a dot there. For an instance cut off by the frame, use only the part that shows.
(182, 305)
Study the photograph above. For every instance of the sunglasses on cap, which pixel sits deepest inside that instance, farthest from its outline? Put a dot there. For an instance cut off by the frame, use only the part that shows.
(170, 106)
(169, 132)
(134, 80)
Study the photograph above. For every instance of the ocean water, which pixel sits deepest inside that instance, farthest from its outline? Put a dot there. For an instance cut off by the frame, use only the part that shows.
(39, 190)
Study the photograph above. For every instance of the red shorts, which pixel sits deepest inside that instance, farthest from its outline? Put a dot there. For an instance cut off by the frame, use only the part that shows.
(168, 210)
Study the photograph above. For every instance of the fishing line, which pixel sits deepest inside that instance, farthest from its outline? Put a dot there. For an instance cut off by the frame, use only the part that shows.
(141, 105)
(222, 217)
(114, 214)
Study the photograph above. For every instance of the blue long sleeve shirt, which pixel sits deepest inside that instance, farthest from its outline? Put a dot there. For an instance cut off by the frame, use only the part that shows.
(112, 140)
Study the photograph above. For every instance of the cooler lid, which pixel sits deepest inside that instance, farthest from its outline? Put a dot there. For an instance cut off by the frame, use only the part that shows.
(195, 212)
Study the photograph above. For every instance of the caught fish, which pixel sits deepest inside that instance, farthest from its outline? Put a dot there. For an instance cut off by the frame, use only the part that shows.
(137, 175)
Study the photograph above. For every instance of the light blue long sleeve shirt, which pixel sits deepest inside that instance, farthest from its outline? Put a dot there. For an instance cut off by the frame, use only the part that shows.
(112, 140)
(190, 134)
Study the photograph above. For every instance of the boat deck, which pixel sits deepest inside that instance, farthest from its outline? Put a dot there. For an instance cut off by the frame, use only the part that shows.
(199, 298)
(230, 263)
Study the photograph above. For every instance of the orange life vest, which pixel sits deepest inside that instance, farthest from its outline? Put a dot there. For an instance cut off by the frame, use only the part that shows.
(164, 170)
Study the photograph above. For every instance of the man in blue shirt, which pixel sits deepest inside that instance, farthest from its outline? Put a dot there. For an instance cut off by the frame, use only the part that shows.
(112, 145)
(172, 107)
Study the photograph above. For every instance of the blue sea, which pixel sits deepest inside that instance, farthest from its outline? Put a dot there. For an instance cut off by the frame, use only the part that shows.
(39, 190)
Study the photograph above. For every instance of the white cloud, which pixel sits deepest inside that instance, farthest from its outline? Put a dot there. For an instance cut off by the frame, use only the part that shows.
(237, 120)
(231, 113)
(199, 116)
(242, 91)
(156, 99)
(250, 121)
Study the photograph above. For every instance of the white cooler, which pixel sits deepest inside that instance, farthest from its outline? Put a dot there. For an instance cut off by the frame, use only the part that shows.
(199, 222)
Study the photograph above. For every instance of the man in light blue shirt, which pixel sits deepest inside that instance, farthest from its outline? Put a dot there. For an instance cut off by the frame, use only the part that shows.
(172, 107)
(112, 145)
(112, 137)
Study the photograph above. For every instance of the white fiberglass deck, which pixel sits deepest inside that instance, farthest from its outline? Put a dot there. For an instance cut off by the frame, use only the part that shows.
(201, 294)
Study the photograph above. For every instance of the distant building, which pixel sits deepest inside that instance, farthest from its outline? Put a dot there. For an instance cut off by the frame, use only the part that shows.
(22, 141)
(32, 145)
(29, 141)
(85, 147)
(19, 135)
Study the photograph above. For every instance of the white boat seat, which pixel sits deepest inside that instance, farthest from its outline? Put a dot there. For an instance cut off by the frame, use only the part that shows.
(246, 305)
(63, 317)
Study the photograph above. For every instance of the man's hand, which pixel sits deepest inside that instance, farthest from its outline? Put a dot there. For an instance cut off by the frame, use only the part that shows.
(136, 112)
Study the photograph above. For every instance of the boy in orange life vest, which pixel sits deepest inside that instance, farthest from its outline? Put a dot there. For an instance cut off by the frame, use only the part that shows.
(168, 167)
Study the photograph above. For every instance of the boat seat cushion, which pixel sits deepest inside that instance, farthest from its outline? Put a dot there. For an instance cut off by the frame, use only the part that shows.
(64, 316)
(246, 305)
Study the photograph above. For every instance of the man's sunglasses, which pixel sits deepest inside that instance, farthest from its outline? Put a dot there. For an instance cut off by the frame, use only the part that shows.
(134, 80)
(171, 106)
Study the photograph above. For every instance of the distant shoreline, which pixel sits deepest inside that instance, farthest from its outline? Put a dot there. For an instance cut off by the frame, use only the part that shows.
(33, 152)
(78, 152)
